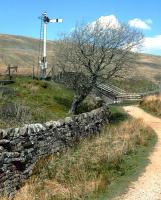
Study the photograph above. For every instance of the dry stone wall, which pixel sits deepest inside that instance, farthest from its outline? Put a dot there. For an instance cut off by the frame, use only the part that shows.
(21, 148)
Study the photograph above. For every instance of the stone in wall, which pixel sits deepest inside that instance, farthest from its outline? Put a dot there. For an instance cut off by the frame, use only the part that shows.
(21, 148)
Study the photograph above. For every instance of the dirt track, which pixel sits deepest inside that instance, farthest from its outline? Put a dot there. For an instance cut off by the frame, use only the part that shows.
(148, 185)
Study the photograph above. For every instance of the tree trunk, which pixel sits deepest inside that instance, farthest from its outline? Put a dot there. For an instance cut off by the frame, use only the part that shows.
(76, 101)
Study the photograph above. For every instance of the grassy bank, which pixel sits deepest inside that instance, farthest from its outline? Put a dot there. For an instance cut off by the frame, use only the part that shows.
(152, 104)
(95, 168)
(30, 101)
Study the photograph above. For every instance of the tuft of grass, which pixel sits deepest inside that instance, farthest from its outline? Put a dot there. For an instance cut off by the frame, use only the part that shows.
(93, 167)
(152, 104)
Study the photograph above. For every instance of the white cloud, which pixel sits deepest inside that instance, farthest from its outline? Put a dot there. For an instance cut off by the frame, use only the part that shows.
(106, 21)
(152, 43)
(112, 21)
(138, 23)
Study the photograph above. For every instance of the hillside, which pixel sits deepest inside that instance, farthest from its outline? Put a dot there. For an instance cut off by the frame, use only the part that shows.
(149, 66)
(19, 49)
(24, 52)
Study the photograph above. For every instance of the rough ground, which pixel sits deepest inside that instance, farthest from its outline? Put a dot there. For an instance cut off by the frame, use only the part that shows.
(148, 185)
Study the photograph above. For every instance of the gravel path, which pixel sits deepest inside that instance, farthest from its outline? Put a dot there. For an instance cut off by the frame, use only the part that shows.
(148, 185)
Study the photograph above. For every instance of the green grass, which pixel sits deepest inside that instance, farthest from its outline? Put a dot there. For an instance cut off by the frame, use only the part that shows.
(117, 114)
(37, 101)
(44, 100)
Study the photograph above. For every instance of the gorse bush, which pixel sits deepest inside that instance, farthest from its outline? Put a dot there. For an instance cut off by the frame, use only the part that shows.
(89, 168)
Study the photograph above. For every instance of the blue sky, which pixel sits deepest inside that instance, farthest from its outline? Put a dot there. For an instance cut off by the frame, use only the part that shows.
(20, 17)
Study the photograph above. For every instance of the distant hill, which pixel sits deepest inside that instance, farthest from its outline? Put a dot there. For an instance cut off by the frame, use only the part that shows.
(24, 52)
(21, 50)
(149, 66)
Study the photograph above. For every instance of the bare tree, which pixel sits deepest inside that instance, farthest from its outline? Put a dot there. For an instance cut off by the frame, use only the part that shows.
(94, 52)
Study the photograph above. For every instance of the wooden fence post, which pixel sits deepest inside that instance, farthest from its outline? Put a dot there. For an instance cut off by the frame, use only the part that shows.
(9, 72)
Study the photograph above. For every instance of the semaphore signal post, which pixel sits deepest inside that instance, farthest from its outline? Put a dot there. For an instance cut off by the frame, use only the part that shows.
(43, 42)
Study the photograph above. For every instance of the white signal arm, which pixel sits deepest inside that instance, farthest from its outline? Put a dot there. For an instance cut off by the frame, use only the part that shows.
(56, 20)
